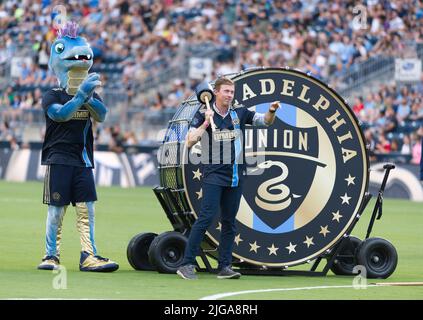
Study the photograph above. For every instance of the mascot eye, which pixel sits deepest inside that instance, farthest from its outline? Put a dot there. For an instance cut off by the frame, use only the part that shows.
(59, 47)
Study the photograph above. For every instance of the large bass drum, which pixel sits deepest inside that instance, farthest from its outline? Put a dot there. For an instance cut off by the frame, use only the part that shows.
(307, 173)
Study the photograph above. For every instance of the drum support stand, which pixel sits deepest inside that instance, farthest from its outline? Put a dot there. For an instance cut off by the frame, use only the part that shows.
(182, 222)
(330, 256)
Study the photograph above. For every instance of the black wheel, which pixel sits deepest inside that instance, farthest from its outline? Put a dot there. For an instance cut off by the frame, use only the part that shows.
(345, 261)
(166, 252)
(378, 256)
(137, 251)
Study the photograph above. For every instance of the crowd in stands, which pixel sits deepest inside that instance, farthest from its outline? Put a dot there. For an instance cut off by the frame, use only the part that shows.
(392, 119)
(136, 41)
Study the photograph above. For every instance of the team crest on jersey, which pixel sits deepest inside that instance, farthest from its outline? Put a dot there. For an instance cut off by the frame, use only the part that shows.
(307, 174)
(56, 196)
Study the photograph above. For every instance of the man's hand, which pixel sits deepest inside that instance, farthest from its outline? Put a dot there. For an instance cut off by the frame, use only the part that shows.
(87, 87)
(274, 106)
(269, 116)
(195, 135)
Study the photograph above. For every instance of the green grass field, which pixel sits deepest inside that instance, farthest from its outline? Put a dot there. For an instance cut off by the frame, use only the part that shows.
(122, 213)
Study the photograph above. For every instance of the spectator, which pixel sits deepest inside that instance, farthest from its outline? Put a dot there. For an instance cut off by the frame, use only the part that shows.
(406, 145)
(8, 134)
(391, 123)
(116, 143)
(370, 110)
(4, 54)
(394, 146)
(416, 152)
(43, 56)
(371, 144)
(131, 139)
(358, 106)
(403, 110)
(383, 145)
(416, 113)
(103, 135)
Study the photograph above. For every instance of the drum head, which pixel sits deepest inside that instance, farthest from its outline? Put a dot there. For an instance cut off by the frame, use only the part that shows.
(307, 173)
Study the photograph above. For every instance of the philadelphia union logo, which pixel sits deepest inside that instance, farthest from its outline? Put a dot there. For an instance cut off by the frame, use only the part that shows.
(306, 174)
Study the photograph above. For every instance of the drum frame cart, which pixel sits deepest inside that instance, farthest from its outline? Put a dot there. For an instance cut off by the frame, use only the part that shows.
(181, 220)
(164, 252)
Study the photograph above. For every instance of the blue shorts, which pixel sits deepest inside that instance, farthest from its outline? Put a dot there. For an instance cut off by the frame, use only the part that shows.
(68, 184)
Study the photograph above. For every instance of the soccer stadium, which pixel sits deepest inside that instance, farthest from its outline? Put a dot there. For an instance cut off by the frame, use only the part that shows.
(326, 106)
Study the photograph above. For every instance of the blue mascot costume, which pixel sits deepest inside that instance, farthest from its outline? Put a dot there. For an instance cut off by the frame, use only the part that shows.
(68, 148)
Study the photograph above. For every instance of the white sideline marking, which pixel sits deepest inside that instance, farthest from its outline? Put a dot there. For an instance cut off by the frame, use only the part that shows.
(54, 299)
(229, 294)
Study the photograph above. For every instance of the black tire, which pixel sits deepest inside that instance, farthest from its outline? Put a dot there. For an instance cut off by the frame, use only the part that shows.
(166, 252)
(378, 256)
(345, 261)
(137, 251)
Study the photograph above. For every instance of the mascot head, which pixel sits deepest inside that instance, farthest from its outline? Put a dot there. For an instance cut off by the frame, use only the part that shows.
(70, 55)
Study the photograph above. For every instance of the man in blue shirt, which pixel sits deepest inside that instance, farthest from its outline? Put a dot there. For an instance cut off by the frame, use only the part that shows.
(222, 170)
